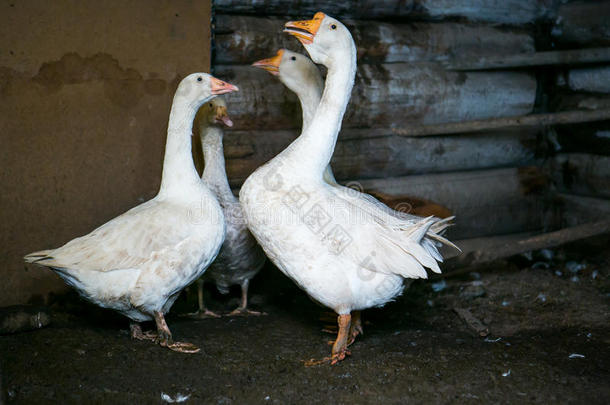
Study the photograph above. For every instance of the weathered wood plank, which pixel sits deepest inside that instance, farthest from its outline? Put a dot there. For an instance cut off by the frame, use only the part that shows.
(486, 251)
(471, 245)
(244, 39)
(399, 156)
(508, 61)
(498, 11)
(485, 202)
(534, 120)
(387, 95)
(580, 101)
(578, 209)
(582, 174)
(583, 23)
(593, 80)
(369, 154)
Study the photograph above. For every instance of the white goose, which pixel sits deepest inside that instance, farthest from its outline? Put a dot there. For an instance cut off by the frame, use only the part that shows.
(302, 76)
(138, 262)
(240, 257)
(344, 248)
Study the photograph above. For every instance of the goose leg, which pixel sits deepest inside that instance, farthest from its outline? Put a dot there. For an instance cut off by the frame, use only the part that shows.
(136, 332)
(164, 337)
(242, 309)
(339, 351)
(355, 327)
(202, 312)
(340, 347)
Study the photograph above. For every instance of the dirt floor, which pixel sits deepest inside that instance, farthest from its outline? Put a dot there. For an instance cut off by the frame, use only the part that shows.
(546, 319)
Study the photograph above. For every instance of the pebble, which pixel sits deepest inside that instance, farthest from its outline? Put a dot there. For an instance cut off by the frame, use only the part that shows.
(439, 286)
(547, 254)
(473, 290)
(575, 267)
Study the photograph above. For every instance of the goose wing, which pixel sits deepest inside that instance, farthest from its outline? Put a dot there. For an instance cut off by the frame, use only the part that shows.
(125, 242)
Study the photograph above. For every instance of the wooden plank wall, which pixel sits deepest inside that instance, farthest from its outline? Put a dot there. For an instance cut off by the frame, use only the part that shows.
(581, 168)
(494, 182)
(491, 11)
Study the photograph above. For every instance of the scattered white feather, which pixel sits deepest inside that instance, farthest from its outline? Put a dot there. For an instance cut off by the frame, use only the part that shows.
(179, 398)
(439, 286)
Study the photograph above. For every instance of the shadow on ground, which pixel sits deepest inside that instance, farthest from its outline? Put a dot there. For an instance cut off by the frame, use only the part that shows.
(548, 340)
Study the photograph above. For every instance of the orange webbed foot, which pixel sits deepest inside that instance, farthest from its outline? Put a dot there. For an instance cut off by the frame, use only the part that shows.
(332, 360)
(183, 347)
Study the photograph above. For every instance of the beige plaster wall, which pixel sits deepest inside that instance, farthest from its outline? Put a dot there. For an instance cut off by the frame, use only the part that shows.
(85, 92)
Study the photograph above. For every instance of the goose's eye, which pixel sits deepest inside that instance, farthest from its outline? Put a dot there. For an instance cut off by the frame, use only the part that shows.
(333, 27)
(199, 79)
(293, 58)
(210, 104)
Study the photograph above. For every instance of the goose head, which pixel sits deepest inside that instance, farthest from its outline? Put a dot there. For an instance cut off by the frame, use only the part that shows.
(197, 88)
(215, 112)
(295, 70)
(325, 38)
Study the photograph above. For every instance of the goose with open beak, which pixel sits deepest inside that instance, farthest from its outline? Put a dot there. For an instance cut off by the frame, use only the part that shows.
(346, 255)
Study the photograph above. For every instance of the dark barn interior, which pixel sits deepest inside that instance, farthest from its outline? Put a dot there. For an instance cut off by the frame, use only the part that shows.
(495, 112)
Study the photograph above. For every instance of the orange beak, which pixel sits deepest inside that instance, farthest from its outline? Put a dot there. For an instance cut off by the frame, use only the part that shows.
(220, 87)
(271, 65)
(305, 30)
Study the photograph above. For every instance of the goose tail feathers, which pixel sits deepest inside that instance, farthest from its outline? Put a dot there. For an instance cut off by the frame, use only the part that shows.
(36, 257)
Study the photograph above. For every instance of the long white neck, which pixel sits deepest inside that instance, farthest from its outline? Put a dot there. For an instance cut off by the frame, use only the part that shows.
(309, 95)
(214, 173)
(313, 150)
(179, 173)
